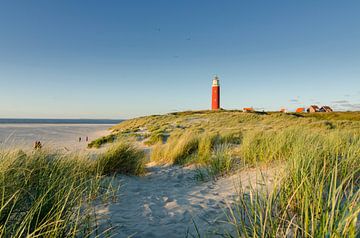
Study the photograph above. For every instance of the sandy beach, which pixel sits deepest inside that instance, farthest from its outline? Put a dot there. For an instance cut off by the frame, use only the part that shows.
(169, 200)
(53, 136)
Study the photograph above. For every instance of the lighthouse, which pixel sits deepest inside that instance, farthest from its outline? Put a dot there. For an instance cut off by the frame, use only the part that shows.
(215, 98)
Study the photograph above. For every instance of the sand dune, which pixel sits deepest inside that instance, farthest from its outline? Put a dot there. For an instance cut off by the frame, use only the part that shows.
(166, 201)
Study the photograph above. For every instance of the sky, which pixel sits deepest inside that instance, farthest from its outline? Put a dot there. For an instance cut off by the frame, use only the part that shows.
(128, 58)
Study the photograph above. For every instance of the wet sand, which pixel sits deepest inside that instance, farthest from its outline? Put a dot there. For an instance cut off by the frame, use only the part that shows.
(52, 136)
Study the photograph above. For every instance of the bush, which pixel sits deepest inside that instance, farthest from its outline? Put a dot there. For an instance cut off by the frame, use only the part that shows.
(122, 158)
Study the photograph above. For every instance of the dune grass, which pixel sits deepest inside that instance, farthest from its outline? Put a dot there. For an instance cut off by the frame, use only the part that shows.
(102, 140)
(155, 138)
(48, 194)
(43, 193)
(351, 116)
(318, 196)
(251, 138)
(122, 158)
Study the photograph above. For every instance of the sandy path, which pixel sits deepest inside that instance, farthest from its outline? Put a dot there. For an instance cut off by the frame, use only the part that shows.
(166, 201)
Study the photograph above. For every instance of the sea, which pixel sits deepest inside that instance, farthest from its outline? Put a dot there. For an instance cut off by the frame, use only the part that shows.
(59, 134)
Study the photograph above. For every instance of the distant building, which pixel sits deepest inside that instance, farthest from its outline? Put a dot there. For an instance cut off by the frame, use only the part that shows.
(313, 108)
(215, 97)
(325, 109)
(300, 109)
(283, 110)
(248, 109)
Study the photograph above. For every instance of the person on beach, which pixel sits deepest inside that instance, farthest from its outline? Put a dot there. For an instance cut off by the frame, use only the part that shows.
(79, 139)
(37, 145)
(87, 139)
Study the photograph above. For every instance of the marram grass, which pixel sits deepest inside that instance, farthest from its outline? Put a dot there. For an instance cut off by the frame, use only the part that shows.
(42, 194)
(45, 194)
(122, 158)
(318, 195)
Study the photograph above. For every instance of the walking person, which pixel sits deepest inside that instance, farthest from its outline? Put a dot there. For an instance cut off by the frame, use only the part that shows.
(79, 139)
(37, 145)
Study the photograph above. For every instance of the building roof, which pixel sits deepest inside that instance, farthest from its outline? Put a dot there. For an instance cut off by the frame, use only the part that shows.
(314, 107)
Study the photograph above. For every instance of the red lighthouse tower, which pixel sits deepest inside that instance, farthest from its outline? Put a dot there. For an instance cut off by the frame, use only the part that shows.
(215, 101)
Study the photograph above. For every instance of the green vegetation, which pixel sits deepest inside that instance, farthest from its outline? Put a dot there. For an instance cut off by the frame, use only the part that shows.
(42, 194)
(50, 194)
(122, 158)
(351, 116)
(101, 141)
(155, 138)
(318, 195)
(193, 136)
(46, 194)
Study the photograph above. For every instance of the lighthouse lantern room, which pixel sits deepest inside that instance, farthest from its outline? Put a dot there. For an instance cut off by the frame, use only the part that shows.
(215, 101)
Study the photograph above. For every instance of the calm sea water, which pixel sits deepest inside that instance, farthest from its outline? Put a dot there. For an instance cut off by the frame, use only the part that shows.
(53, 133)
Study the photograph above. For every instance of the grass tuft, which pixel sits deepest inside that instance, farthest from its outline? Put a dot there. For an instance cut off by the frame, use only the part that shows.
(46, 194)
(123, 158)
(101, 141)
(318, 196)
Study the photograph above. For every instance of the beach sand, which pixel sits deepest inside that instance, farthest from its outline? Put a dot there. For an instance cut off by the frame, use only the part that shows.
(169, 200)
(166, 202)
(63, 137)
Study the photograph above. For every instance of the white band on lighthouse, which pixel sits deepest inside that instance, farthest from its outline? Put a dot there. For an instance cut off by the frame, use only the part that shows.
(215, 81)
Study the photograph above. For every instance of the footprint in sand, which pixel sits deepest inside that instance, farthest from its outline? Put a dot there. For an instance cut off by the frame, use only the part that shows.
(167, 199)
(177, 185)
(211, 202)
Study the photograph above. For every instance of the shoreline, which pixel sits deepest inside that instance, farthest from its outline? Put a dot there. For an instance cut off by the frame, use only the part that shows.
(52, 136)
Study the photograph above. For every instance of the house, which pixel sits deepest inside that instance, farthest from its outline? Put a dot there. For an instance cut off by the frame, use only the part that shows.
(300, 109)
(248, 109)
(283, 110)
(325, 109)
(313, 108)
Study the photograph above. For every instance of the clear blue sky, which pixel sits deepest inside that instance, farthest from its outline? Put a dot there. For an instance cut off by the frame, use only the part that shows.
(120, 59)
